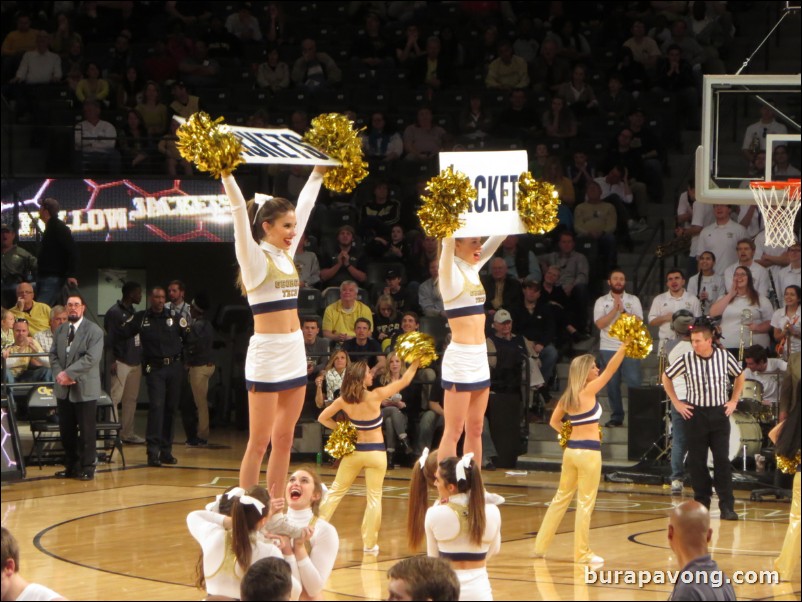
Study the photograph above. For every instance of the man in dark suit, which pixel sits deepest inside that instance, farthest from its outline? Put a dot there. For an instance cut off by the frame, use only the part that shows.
(75, 362)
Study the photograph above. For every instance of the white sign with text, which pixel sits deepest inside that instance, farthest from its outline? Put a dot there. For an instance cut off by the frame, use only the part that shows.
(495, 175)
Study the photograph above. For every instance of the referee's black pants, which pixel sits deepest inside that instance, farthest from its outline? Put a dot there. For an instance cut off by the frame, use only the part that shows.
(709, 428)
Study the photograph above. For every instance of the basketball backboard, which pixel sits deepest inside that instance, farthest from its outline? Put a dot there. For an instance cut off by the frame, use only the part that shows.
(737, 124)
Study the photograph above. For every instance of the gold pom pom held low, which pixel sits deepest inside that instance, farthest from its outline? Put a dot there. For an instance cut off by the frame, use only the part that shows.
(448, 195)
(538, 203)
(413, 346)
(631, 327)
(788, 465)
(334, 134)
(209, 145)
(565, 433)
(342, 440)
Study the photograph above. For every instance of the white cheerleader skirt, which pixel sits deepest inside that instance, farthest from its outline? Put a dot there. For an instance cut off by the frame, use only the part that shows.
(275, 362)
(474, 584)
(466, 367)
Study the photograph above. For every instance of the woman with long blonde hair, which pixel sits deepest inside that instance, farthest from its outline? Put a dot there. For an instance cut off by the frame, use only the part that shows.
(581, 469)
(363, 409)
(465, 368)
(394, 409)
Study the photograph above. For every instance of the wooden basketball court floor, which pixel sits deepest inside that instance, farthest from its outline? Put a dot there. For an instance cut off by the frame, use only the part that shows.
(124, 536)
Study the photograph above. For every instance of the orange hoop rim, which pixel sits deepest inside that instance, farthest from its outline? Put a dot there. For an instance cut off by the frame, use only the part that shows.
(790, 184)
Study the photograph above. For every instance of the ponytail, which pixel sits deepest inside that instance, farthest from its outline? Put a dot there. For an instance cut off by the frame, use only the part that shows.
(245, 519)
(418, 503)
(474, 487)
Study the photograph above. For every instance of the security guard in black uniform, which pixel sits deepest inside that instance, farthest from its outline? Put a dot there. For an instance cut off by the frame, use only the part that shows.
(161, 332)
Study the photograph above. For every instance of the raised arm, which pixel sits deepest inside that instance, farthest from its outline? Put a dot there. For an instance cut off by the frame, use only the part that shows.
(306, 202)
(446, 264)
(489, 248)
(249, 256)
(398, 385)
(597, 384)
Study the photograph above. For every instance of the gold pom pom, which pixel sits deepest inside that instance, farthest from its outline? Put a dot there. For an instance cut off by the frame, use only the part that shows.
(565, 433)
(335, 135)
(342, 440)
(209, 145)
(788, 465)
(413, 346)
(629, 326)
(537, 204)
(449, 194)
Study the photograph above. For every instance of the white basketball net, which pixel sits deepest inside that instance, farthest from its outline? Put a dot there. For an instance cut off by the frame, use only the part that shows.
(778, 203)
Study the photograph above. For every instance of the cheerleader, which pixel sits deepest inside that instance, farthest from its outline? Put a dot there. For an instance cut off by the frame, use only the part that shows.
(465, 371)
(786, 437)
(265, 240)
(231, 544)
(581, 469)
(311, 556)
(464, 529)
(363, 409)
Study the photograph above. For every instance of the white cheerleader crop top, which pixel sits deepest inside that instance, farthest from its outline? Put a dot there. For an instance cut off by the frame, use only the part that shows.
(459, 282)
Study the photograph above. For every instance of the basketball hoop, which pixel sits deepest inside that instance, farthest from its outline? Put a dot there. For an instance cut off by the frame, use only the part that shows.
(778, 203)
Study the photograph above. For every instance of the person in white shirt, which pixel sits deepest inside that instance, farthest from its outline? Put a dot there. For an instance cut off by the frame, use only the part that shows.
(605, 312)
(706, 285)
(311, 556)
(666, 304)
(748, 215)
(692, 216)
(792, 273)
(39, 66)
(721, 237)
(765, 370)
(745, 315)
(95, 140)
(14, 586)
(231, 544)
(786, 322)
(760, 276)
(755, 135)
(782, 167)
(243, 24)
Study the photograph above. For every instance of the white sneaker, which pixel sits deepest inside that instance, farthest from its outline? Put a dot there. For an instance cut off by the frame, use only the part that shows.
(279, 524)
(373, 550)
(676, 486)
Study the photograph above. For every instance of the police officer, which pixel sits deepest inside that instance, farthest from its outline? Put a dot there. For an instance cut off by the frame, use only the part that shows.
(161, 332)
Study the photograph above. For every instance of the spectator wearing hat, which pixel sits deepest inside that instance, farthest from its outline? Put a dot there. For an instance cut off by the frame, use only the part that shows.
(199, 362)
(346, 264)
(508, 355)
(404, 298)
(18, 265)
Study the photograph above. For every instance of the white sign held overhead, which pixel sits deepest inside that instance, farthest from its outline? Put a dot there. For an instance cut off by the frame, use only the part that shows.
(276, 146)
(495, 175)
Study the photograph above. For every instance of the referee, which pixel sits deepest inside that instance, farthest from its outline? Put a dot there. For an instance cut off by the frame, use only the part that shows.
(707, 410)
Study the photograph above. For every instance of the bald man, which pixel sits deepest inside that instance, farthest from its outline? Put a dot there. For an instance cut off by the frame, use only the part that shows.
(689, 534)
(37, 314)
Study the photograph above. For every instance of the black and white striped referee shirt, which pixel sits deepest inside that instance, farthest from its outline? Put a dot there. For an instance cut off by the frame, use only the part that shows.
(706, 377)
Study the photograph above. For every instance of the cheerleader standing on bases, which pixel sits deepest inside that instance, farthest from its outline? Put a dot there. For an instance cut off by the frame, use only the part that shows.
(465, 370)
(265, 240)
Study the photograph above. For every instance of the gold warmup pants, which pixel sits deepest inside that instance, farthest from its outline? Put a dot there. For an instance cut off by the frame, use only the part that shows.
(581, 472)
(788, 559)
(375, 465)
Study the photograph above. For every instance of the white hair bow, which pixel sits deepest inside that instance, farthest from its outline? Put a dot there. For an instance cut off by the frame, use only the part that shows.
(423, 457)
(252, 501)
(465, 462)
(260, 199)
(215, 505)
(236, 492)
